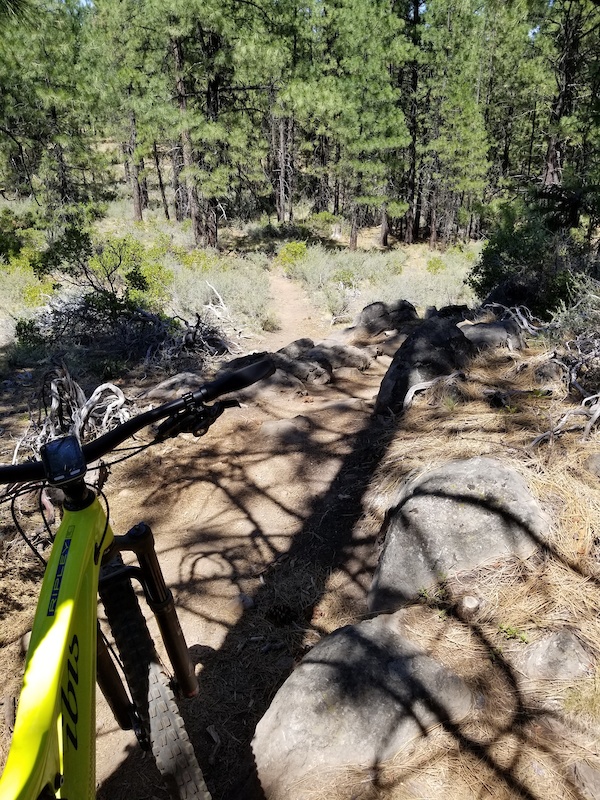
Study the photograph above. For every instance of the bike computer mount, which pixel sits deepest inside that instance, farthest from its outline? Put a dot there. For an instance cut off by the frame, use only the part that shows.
(63, 460)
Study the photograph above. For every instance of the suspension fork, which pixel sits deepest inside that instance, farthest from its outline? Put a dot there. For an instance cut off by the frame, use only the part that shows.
(140, 540)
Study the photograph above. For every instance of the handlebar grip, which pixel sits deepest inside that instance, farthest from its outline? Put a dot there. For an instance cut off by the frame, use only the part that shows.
(234, 381)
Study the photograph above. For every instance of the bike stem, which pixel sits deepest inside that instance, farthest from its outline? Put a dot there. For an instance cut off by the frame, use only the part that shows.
(140, 540)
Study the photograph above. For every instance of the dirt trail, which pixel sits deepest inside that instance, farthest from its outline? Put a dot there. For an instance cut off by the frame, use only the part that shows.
(247, 532)
(296, 315)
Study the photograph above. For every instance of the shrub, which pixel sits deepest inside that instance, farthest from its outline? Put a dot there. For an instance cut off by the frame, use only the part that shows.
(528, 248)
(290, 253)
(436, 265)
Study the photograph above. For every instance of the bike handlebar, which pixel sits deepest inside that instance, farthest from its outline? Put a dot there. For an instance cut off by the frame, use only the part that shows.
(230, 382)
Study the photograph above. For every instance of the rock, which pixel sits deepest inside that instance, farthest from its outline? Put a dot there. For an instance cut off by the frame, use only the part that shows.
(437, 347)
(549, 372)
(357, 698)
(558, 657)
(306, 371)
(505, 333)
(297, 348)
(337, 355)
(468, 606)
(454, 312)
(592, 464)
(586, 778)
(174, 387)
(400, 312)
(453, 519)
(347, 374)
(374, 318)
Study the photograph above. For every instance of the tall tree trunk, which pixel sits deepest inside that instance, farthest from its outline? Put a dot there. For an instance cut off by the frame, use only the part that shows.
(161, 185)
(134, 170)
(125, 151)
(179, 188)
(413, 127)
(353, 228)
(291, 174)
(186, 142)
(211, 231)
(531, 139)
(144, 185)
(336, 186)
(418, 210)
(322, 196)
(569, 38)
(433, 219)
(282, 168)
(62, 171)
(385, 227)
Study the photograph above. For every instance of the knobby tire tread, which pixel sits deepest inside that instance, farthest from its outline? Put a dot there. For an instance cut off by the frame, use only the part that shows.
(151, 692)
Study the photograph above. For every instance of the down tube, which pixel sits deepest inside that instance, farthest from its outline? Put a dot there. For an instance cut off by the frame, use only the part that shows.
(54, 735)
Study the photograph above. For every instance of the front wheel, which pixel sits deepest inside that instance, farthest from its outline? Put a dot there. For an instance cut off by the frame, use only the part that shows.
(151, 692)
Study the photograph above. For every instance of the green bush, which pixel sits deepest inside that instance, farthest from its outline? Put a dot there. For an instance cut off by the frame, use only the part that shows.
(322, 223)
(528, 248)
(436, 265)
(290, 253)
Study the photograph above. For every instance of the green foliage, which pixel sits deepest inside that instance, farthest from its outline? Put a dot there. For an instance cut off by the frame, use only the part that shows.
(290, 253)
(435, 265)
(322, 223)
(526, 248)
(512, 632)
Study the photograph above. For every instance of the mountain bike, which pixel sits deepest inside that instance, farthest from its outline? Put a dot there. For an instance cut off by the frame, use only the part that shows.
(52, 753)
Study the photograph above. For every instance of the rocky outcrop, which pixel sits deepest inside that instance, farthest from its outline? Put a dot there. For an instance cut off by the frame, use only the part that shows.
(437, 347)
(357, 698)
(452, 519)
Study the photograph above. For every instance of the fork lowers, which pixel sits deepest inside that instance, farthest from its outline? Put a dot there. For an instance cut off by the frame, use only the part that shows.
(140, 540)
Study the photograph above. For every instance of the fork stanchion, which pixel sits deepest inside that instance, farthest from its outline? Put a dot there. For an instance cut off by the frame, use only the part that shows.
(140, 540)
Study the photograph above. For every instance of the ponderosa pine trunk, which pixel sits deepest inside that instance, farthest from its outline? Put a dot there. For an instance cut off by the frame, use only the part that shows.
(187, 149)
(161, 185)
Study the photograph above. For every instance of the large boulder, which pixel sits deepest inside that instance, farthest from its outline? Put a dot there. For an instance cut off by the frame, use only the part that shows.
(450, 520)
(378, 317)
(437, 347)
(357, 698)
(504, 333)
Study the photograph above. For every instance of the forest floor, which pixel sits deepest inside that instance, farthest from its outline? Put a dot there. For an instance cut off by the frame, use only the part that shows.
(266, 531)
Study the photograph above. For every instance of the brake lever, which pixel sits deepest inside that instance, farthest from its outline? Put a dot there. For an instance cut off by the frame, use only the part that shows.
(194, 418)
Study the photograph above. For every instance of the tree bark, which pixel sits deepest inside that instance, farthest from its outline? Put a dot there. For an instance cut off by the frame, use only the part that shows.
(186, 142)
(432, 220)
(353, 228)
(161, 185)
(413, 127)
(291, 177)
(134, 170)
(211, 230)
(282, 162)
(179, 188)
(385, 227)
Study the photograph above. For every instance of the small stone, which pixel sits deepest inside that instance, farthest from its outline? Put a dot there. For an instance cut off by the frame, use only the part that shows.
(468, 606)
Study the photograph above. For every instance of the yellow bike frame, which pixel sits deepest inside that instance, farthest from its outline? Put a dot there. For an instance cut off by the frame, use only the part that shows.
(53, 748)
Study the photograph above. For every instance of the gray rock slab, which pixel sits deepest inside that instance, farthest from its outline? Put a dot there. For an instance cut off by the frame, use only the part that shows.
(557, 657)
(437, 347)
(451, 519)
(587, 779)
(338, 355)
(357, 698)
(175, 386)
